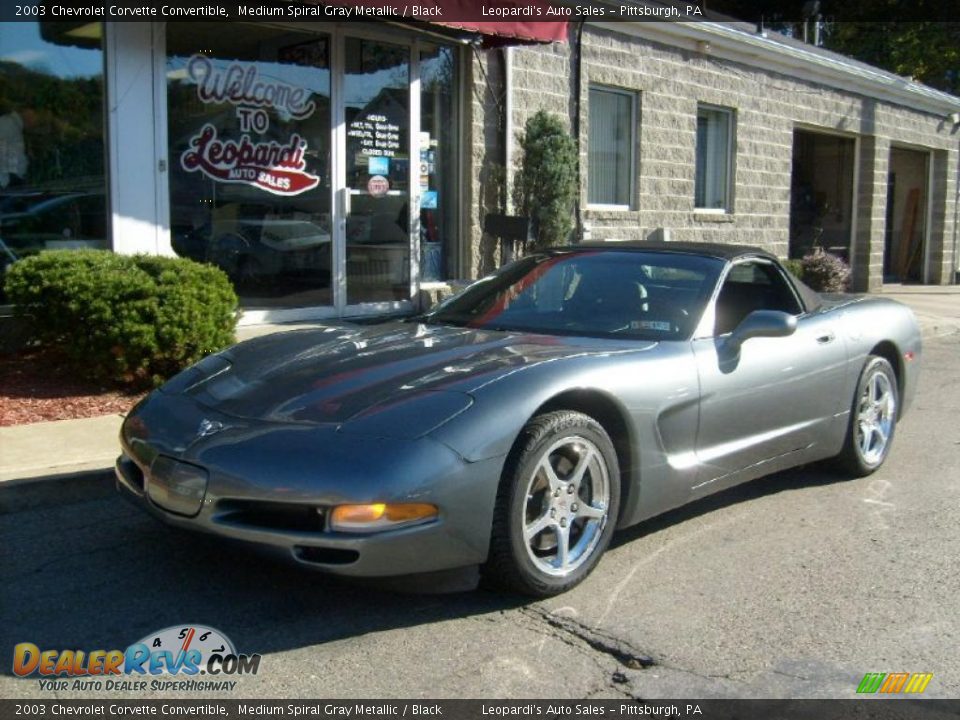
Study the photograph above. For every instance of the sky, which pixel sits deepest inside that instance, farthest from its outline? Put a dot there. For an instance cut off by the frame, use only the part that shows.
(21, 43)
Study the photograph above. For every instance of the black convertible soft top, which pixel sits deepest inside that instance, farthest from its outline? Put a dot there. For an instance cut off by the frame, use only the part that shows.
(722, 251)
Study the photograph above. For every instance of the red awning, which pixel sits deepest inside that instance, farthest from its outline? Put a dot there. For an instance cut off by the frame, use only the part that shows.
(521, 19)
(550, 31)
(525, 20)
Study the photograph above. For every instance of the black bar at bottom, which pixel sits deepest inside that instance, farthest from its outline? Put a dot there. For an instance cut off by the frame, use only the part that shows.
(867, 709)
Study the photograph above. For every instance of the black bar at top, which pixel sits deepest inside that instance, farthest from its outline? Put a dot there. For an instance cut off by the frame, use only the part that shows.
(766, 13)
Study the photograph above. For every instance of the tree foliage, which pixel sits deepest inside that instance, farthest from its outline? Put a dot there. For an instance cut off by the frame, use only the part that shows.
(926, 51)
(913, 38)
(545, 186)
(63, 123)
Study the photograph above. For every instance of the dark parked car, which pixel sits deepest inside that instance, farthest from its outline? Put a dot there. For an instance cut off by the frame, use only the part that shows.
(254, 245)
(518, 424)
(31, 221)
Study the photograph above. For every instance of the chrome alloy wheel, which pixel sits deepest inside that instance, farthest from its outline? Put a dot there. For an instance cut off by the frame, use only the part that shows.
(876, 414)
(567, 506)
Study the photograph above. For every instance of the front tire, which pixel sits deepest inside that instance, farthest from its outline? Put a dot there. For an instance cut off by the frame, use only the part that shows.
(556, 506)
(873, 419)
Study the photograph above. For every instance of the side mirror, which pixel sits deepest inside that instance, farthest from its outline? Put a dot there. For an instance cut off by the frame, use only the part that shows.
(760, 323)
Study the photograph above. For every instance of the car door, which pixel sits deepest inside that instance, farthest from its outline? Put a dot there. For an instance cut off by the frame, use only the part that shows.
(778, 395)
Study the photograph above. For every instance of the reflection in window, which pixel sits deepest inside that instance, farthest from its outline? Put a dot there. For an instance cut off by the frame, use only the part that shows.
(376, 97)
(52, 180)
(249, 134)
(438, 162)
(611, 147)
(712, 185)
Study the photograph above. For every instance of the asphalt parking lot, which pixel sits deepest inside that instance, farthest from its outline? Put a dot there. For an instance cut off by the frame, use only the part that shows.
(793, 586)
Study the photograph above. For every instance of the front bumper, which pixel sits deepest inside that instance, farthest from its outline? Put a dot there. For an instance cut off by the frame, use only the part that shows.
(274, 485)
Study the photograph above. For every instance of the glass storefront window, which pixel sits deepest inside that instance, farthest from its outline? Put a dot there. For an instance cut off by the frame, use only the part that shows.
(52, 178)
(248, 111)
(376, 99)
(255, 163)
(438, 163)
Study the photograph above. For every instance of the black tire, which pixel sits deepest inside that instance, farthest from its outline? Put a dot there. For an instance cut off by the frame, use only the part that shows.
(566, 440)
(861, 455)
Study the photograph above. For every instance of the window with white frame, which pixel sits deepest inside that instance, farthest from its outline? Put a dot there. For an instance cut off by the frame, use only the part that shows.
(611, 148)
(714, 158)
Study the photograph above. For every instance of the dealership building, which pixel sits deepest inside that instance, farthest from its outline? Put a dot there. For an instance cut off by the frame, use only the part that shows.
(342, 169)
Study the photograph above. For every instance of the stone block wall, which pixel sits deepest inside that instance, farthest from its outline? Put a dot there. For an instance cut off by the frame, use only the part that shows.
(484, 140)
(669, 82)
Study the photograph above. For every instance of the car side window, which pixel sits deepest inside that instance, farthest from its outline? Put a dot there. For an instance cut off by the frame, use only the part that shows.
(753, 285)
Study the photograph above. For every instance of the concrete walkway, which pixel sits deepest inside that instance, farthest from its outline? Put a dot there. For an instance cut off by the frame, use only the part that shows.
(45, 449)
(72, 447)
(937, 307)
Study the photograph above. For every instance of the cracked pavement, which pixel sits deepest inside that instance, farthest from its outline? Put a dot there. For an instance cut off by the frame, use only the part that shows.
(794, 585)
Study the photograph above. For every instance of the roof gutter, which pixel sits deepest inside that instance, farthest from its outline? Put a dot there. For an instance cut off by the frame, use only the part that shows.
(735, 44)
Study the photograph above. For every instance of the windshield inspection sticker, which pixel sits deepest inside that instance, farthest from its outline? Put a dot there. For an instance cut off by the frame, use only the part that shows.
(660, 325)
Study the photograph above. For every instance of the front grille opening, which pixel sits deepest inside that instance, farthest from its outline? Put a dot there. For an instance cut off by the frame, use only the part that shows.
(292, 517)
(131, 472)
(326, 556)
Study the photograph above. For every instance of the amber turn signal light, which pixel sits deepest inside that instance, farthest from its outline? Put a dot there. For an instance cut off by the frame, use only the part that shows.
(380, 516)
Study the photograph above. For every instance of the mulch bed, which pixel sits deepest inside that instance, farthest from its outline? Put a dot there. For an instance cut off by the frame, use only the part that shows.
(37, 386)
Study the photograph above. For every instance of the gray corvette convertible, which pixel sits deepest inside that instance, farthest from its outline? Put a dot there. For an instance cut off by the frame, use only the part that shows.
(521, 422)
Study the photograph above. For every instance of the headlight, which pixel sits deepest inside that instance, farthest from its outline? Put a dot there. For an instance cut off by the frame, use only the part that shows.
(177, 486)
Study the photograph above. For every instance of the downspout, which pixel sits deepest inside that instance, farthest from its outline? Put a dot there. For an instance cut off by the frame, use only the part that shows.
(955, 270)
(508, 127)
(577, 48)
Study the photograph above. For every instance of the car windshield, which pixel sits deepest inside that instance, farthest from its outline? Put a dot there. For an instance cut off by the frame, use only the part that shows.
(597, 293)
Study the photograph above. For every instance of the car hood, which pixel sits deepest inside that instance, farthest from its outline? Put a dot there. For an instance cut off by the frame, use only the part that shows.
(418, 373)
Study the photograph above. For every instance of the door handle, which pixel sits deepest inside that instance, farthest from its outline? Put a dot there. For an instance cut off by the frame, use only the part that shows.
(826, 338)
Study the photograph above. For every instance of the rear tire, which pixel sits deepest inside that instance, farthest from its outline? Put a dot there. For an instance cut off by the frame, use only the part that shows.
(873, 419)
(556, 505)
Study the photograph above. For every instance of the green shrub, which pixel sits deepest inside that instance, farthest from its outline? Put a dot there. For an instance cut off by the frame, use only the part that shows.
(133, 319)
(545, 186)
(825, 272)
(794, 267)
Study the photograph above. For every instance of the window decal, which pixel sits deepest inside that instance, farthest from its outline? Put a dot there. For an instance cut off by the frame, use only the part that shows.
(273, 167)
(276, 167)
